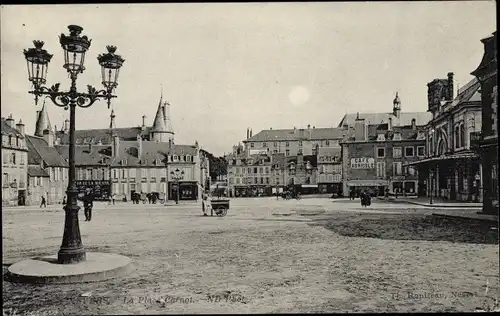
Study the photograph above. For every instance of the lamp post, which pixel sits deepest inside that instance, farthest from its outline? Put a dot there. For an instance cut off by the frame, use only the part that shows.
(177, 175)
(37, 59)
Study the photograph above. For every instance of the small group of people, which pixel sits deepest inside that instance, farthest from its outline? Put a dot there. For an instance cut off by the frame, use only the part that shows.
(151, 198)
(364, 195)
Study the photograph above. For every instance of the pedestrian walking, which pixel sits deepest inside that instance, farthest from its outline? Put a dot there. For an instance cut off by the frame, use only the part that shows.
(44, 202)
(64, 200)
(113, 198)
(204, 204)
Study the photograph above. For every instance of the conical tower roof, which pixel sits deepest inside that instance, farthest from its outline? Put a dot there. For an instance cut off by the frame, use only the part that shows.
(168, 123)
(159, 122)
(42, 122)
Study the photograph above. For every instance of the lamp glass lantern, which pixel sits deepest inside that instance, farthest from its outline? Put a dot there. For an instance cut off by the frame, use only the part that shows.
(37, 61)
(75, 47)
(110, 67)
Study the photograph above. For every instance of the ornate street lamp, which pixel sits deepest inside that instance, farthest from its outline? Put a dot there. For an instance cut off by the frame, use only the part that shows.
(177, 175)
(75, 47)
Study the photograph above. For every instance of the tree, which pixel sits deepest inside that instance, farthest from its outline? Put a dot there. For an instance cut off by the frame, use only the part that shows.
(218, 165)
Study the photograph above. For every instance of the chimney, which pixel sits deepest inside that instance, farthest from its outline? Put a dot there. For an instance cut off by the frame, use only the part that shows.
(413, 124)
(389, 125)
(48, 137)
(144, 121)
(66, 125)
(10, 121)
(170, 144)
(116, 146)
(360, 130)
(139, 143)
(248, 133)
(20, 127)
(450, 86)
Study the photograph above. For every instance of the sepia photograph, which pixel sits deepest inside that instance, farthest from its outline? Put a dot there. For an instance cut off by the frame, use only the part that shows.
(249, 158)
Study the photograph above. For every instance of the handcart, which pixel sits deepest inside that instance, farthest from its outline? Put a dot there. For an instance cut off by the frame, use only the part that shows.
(220, 206)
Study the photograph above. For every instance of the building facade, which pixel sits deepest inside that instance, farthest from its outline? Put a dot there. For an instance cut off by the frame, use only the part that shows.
(451, 166)
(14, 163)
(292, 142)
(376, 148)
(486, 73)
(330, 170)
(47, 172)
(248, 175)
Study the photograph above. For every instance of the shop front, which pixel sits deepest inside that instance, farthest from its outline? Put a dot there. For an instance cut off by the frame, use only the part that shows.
(186, 190)
(101, 189)
(324, 188)
(253, 191)
(455, 177)
(374, 187)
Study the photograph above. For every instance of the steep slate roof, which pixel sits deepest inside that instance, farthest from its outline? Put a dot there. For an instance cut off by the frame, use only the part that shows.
(103, 135)
(406, 132)
(39, 150)
(468, 93)
(422, 118)
(271, 135)
(37, 171)
(150, 152)
(96, 155)
(7, 130)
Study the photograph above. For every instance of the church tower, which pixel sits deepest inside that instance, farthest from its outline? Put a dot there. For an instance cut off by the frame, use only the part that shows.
(161, 131)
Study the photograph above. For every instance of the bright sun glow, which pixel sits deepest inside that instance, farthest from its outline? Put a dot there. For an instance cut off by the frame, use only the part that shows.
(299, 95)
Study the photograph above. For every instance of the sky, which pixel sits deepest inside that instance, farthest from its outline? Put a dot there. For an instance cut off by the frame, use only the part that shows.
(224, 67)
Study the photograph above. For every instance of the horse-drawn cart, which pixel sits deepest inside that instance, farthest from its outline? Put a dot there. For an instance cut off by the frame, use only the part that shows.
(220, 206)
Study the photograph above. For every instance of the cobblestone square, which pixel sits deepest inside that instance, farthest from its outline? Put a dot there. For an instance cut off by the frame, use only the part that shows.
(265, 256)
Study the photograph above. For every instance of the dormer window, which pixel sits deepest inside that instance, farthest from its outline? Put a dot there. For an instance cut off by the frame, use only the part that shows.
(397, 136)
(381, 137)
(145, 161)
(157, 161)
(175, 158)
(188, 158)
(124, 162)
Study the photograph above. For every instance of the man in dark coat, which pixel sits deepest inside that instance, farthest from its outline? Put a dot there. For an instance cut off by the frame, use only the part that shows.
(88, 203)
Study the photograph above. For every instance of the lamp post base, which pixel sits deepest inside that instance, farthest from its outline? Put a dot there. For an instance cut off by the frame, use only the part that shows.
(71, 255)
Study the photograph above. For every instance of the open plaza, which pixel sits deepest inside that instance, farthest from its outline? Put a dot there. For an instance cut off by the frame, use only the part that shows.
(265, 256)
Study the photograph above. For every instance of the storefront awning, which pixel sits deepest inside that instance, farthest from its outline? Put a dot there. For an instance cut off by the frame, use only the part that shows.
(443, 158)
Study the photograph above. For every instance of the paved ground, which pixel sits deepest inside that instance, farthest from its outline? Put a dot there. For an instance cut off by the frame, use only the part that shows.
(265, 256)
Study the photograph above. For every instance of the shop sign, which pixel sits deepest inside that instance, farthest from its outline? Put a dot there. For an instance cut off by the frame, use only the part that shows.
(362, 163)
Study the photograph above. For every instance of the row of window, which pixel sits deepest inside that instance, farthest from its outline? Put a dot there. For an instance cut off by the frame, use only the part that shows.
(12, 158)
(124, 188)
(397, 152)
(397, 170)
(330, 169)
(300, 143)
(330, 178)
(256, 180)
(255, 170)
